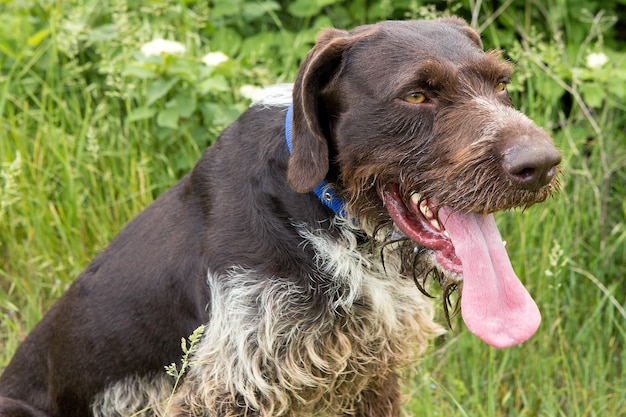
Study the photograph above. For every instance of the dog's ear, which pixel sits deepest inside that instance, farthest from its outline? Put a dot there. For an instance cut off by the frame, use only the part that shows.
(309, 162)
(465, 28)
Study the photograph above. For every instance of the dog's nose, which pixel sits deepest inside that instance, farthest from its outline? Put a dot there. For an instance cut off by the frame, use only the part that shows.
(531, 163)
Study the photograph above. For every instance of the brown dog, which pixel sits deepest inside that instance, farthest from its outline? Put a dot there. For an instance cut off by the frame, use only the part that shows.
(302, 266)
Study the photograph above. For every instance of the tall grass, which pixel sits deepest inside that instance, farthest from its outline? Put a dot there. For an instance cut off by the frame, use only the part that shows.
(78, 160)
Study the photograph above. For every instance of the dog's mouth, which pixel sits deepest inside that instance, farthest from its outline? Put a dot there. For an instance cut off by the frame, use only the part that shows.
(468, 247)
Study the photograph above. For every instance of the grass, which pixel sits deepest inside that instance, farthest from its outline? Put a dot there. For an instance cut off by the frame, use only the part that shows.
(74, 170)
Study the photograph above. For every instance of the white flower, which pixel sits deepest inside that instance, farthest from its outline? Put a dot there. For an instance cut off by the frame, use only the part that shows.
(596, 60)
(161, 46)
(251, 92)
(213, 59)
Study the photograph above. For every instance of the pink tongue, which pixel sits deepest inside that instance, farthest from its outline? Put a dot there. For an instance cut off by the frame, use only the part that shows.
(495, 305)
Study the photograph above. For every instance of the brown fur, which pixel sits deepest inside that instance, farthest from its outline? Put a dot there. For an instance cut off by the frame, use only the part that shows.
(306, 313)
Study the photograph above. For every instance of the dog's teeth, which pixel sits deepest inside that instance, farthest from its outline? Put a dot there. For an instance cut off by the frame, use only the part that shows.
(415, 198)
(504, 243)
(426, 211)
(435, 223)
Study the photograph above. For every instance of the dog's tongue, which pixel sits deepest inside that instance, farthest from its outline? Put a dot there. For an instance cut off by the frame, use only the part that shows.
(495, 305)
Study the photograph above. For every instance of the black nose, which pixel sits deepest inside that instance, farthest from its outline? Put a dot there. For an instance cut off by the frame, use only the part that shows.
(531, 163)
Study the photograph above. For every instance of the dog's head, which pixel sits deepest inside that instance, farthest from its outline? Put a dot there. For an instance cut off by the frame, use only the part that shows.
(412, 122)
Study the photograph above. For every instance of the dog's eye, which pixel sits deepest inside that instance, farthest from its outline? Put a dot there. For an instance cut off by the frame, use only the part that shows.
(501, 87)
(415, 98)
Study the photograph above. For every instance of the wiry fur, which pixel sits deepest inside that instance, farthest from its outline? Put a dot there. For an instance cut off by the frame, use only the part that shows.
(135, 396)
(305, 314)
(262, 349)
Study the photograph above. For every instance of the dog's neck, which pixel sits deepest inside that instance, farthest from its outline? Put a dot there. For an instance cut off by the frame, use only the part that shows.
(324, 190)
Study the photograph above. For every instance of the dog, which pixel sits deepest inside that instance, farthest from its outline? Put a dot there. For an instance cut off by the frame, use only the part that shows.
(302, 242)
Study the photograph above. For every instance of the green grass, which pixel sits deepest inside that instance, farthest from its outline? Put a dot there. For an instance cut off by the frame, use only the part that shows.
(77, 161)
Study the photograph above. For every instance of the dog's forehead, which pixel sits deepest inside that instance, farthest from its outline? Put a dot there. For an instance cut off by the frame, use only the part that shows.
(395, 53)
(424, 40)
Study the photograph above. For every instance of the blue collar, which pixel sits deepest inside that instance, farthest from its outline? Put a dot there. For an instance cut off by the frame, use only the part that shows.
(324, 191)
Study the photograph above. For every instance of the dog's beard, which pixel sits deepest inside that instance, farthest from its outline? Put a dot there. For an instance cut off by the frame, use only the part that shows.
(420, 265)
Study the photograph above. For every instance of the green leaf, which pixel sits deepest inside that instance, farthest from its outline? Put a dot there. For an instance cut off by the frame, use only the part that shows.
(38, 37)
(183, 68)
(259, 45)
(220, 115)
(141, 113)
(619, 90)
(168, 118)
(138, 71)
(223, 8)
(158, 89)
(214, 84)
(186, 105)
(308, 8)
(593, 95)
(252, 11)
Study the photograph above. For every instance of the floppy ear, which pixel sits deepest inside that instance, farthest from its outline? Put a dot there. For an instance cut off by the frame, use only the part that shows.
(308, 164)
